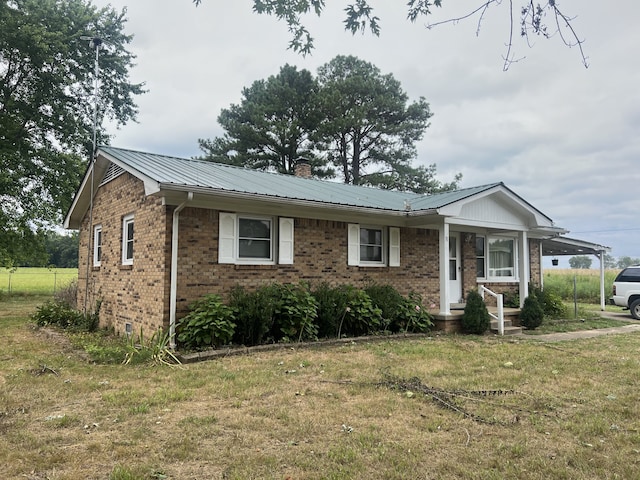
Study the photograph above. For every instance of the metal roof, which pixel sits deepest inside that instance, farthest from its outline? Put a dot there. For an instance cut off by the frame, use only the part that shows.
(558, 246)
(180, 173)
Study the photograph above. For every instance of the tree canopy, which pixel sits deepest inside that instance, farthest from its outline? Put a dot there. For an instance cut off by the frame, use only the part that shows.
(541, 19)
(580, 262)
(351, 121)
(271, 127)
(46, 109)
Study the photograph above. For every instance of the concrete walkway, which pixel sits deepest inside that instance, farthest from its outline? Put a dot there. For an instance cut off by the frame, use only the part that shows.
(562, 337)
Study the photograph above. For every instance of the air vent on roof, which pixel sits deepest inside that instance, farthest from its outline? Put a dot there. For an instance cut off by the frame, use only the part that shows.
(112, 172)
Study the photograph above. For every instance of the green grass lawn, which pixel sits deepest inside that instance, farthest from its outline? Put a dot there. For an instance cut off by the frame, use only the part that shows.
(445, 407)
(35, 281)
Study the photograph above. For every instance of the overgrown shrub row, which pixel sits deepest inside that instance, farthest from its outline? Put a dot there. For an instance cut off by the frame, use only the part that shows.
(294, 312)
(61, 312)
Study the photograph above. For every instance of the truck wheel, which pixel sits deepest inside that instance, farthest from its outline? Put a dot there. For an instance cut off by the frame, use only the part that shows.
(635, 309)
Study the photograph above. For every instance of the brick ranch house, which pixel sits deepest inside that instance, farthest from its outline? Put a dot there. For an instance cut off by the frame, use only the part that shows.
(163, 231)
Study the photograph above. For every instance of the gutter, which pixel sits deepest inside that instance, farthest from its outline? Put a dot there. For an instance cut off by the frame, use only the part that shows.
(174, 271)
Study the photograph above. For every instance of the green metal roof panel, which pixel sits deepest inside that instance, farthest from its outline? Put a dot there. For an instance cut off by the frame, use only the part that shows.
(190, 173)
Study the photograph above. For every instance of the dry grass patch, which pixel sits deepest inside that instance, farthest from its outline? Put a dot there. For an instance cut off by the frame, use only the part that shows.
(568, 410)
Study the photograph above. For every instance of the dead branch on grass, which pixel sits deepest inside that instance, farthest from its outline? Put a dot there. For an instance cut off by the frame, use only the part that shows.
(447, 398)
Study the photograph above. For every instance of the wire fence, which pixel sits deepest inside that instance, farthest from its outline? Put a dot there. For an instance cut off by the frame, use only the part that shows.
(36, 281)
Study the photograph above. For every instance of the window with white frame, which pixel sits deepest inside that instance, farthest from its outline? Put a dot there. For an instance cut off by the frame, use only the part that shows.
(127, 240)
(97, 245)
(373, 245)
(496, 258)
(251, 239)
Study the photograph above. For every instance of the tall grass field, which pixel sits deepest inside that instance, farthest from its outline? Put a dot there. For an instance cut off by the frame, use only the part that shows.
(35, 281)
(587, 283)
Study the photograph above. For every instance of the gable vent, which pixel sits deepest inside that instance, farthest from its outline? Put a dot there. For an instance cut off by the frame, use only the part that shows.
(112, 172)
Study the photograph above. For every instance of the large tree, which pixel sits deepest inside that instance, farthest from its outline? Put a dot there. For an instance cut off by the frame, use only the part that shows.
(352, 121)
(368, 129)
(46, 109)
(526, 19)
(270, 129)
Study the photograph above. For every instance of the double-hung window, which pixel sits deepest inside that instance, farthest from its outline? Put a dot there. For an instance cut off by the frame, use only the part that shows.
(373, 245)
(97, 245)
(255, 239)
(496, 258)
(127, 240)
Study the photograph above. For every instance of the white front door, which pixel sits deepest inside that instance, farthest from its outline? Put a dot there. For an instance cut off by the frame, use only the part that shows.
(455, 279)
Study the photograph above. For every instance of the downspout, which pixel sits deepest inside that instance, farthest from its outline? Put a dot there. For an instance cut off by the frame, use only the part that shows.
(174, 271)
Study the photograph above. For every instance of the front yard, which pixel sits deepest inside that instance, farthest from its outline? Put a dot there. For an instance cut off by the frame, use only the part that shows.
(444, 406)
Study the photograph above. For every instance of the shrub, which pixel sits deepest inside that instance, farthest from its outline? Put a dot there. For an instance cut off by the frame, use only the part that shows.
(295, 313)
(413, 317)
(531, 314)
(390, 303)
(360, 315)
(254, 312)
(68, 295)
(60, 314)
(550, 302)
(332, 303)
(476, 316)
(210, 323)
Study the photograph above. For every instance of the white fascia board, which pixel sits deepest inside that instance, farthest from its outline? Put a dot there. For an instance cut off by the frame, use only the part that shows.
(151, 186)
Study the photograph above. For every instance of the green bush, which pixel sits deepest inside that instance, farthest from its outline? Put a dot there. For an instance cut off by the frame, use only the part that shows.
(413, 316)
(254, 314)
(60, 314)
(210, 323)
(531, 315)
(295, 313)
(332, 303)
(390, 303)
(360, 315)
(475, 318)
(551, 303)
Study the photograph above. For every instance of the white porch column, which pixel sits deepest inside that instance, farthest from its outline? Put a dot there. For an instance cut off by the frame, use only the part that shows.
(601, 258)
(445, 301)
(523, 266)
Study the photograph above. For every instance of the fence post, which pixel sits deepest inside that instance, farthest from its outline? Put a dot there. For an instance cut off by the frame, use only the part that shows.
(9, 283)
(55, 278)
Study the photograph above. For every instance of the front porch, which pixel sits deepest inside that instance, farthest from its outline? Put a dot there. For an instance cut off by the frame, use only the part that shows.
(452, 322)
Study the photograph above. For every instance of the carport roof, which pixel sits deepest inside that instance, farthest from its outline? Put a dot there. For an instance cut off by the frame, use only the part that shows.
(558, 246)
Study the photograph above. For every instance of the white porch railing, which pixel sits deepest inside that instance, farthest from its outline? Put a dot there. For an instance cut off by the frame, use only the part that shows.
(500, 314)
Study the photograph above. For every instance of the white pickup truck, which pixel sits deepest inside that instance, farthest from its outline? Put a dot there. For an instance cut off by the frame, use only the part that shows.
(626, 290)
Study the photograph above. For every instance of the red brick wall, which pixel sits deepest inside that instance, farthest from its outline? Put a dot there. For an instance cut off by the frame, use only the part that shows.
(136, 294)
(320, 255)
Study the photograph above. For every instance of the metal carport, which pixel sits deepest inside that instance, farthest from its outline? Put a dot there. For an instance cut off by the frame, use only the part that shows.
(557, 246)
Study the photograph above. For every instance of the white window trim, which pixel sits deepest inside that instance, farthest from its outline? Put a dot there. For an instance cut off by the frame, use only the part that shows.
(282, 240)
(126, 220)
(487, 268)
(390, 246)
(97, 246)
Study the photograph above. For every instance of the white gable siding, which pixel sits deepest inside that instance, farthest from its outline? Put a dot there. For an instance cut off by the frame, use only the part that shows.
(488, 210)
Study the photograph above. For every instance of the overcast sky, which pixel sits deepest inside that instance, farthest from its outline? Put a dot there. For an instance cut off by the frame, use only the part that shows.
(565, 138)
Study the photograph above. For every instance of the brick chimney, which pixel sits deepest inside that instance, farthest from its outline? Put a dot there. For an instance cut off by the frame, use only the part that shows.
(303, 168)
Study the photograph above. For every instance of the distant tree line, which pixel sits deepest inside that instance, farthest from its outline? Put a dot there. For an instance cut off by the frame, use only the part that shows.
(57, 250)
(584, 261)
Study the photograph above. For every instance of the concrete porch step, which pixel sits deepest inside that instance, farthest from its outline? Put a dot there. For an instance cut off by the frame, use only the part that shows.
(510, 330)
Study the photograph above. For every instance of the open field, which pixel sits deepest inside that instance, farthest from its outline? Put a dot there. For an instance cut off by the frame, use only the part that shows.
(35, 281)
(587, 282)
(517, 408)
